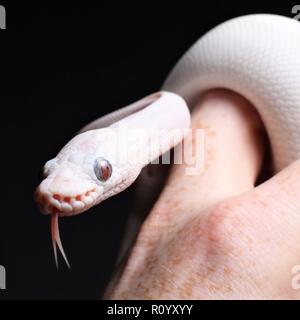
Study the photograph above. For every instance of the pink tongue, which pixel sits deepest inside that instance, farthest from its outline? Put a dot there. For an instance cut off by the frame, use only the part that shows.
(56, 240)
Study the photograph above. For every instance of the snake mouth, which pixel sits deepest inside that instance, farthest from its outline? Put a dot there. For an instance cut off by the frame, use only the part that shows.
(66, 205)
(65, 197)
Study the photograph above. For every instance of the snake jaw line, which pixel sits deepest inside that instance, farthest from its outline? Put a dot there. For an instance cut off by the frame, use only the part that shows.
(56, 241)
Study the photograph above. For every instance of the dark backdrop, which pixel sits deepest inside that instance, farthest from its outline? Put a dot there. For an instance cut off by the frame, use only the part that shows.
(62, 67)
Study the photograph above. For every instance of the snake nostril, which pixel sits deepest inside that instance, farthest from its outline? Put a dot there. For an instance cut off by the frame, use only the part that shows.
(87, 193)
(42, 200)
(39, 199)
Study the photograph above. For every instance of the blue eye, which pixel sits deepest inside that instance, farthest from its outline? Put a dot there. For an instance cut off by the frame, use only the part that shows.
(102, 169)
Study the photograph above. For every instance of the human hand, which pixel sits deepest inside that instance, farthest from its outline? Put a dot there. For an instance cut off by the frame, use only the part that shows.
(216, 235)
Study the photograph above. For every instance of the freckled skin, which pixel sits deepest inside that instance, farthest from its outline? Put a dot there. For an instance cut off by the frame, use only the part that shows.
(216, 235)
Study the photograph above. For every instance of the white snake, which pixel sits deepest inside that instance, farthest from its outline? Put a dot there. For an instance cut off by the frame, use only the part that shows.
(257, 56)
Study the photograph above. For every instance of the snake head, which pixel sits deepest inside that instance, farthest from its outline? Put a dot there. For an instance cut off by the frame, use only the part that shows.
(66, 189)
(84, 173)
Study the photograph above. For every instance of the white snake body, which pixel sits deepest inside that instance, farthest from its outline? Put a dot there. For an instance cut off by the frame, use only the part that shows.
(257, 56)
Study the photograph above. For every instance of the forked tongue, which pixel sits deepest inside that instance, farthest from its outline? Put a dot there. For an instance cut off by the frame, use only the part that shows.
(56, 241)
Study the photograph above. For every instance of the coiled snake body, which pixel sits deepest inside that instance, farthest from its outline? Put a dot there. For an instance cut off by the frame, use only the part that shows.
(257, 56)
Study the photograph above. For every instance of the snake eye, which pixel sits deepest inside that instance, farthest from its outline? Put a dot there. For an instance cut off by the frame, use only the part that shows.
(102, 169)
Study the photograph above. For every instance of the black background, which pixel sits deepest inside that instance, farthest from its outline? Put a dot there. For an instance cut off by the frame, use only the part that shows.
(61, 67)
